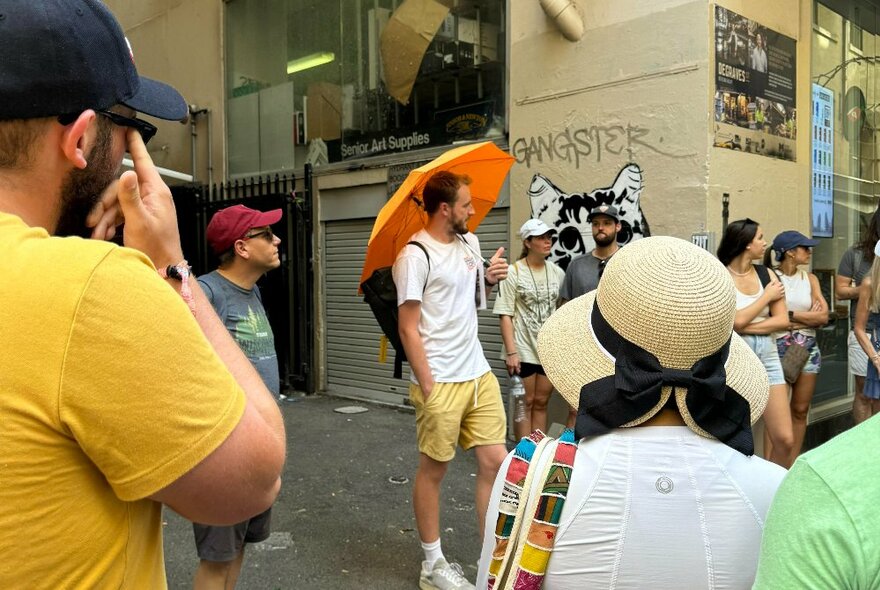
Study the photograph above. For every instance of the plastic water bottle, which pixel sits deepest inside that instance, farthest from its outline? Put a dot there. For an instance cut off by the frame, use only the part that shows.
(518, 392)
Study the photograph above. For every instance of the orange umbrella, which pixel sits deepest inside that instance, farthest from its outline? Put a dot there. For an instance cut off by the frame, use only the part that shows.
(403, 215)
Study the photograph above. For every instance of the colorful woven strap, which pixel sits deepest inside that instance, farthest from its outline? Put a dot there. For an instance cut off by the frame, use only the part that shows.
(533, 551)
(529, 553)
(510, 512)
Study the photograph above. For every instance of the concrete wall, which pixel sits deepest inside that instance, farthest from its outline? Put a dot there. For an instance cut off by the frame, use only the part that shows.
(649, 68)
(637, 83)
(181, 42)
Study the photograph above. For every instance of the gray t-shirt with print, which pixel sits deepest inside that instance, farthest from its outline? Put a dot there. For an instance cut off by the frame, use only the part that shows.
(242, 311)
(581, 276)
(854, 265)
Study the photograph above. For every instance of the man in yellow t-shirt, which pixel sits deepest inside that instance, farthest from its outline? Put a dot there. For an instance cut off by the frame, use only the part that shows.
(120, 389)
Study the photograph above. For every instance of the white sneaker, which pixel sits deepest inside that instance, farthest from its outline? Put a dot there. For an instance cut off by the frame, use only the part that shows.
(443, 576)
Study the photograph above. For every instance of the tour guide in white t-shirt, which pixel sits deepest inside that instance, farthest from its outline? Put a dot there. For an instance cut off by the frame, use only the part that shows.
(456, 397)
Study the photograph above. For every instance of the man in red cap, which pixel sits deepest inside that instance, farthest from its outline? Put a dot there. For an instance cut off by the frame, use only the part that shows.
(243, 240)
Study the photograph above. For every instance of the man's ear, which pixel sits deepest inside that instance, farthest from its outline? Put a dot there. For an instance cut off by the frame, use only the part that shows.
(76, 137)
(240, 247)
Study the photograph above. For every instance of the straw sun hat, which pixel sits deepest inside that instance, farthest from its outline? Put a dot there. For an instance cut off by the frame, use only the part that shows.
(661, 320)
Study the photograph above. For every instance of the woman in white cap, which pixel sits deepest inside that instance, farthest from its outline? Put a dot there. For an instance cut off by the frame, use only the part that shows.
(663, 491)
(869, 308)
(807, 310)
(760, 312)
(525, 300)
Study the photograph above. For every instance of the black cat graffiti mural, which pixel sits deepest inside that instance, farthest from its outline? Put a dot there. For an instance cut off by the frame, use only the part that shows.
(567, 213)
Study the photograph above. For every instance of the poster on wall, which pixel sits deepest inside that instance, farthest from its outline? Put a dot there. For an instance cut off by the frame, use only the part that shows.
(823, 162)
(754, 87)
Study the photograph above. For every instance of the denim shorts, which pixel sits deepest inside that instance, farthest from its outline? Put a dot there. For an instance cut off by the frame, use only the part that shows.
(814, 361)
(764, 347)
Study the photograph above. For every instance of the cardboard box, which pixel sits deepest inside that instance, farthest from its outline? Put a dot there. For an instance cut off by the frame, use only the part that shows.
(324, 111)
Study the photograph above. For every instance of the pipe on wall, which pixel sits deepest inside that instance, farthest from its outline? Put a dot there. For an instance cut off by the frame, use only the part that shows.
(566, 16)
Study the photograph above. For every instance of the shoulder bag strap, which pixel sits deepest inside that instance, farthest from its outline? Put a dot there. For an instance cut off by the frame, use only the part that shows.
(427, 259)
(535, 542)
(521, 471)
(763, 274)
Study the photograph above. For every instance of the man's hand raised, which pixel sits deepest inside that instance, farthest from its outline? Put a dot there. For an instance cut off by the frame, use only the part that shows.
(150, 217)
(497, 270)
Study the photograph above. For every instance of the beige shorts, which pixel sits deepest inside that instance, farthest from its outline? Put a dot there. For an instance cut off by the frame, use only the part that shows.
(470, 413)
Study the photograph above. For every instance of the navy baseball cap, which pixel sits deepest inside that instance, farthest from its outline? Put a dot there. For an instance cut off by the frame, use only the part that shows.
(788, 240)
(66, 56)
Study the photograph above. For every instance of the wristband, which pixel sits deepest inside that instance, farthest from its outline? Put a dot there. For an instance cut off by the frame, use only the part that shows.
(512, 353)
(180, 272)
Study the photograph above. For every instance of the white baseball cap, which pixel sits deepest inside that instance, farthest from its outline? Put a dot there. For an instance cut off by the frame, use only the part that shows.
(532, 228)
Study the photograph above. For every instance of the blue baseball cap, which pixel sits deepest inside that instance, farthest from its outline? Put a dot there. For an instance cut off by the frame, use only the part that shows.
(66, 56)
(788, 240)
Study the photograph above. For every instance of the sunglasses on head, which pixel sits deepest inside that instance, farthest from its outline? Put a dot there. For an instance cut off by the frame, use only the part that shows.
(147, 130)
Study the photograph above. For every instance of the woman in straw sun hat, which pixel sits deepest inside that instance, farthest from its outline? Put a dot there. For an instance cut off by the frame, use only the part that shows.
(666, 396)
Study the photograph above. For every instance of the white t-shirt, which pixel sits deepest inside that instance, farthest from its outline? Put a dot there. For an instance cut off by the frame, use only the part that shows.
(654, 507)
(448, 323)
(529, 296)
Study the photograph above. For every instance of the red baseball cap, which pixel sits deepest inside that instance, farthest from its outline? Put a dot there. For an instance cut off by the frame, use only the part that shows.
(233, 223)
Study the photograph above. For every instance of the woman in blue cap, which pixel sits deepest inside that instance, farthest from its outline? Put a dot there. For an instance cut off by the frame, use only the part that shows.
(807, 310)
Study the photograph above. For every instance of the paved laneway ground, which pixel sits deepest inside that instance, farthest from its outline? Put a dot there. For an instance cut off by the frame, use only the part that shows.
(344, 519)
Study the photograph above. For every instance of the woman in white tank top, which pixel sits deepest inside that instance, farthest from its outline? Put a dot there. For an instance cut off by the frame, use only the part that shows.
(807, 310)
(760, 312)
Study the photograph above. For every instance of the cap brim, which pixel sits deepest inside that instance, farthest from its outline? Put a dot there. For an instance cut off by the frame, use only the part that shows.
(571, 357)
(267, 218)
(809, 243)
(160, 100)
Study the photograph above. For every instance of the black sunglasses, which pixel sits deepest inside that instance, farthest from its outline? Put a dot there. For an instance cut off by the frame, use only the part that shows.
(147, 130)
(602, 264)
(266, 233)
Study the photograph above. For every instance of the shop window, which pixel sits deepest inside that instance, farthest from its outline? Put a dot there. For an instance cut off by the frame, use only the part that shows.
(845, 48)
(334, 80)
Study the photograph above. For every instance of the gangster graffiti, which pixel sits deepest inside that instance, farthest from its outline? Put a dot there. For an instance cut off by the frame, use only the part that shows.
(567, 213)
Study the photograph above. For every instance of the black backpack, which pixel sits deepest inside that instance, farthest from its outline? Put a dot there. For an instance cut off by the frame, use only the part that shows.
(381, 293)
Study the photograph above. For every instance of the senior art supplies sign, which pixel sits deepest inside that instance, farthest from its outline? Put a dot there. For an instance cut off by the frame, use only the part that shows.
(754, 87)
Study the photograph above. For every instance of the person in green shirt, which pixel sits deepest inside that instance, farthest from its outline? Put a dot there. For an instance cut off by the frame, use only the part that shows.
(823, 528)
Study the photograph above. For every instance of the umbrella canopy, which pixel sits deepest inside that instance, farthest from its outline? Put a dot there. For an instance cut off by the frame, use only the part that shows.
(403, 215)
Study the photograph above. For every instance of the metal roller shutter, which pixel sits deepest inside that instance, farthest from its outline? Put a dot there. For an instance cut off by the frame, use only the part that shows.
(352, 344)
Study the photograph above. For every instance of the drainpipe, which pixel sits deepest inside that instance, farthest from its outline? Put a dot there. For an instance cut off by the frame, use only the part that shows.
(194, 113)
(210, 149)
(566, 16)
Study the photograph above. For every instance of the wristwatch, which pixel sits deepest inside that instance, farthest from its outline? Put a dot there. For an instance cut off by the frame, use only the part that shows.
(791, 317)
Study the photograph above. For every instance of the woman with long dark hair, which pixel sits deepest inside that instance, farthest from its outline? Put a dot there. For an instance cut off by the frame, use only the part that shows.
(761, 311)
(854, 266)
(807, 310)
(525, 300)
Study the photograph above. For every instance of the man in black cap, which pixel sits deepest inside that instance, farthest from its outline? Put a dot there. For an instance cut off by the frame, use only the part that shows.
(583, 273)
(120, 388)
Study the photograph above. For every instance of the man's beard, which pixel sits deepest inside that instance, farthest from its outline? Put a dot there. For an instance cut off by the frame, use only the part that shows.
(460, 226)
(82, 188)
(606, 241)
